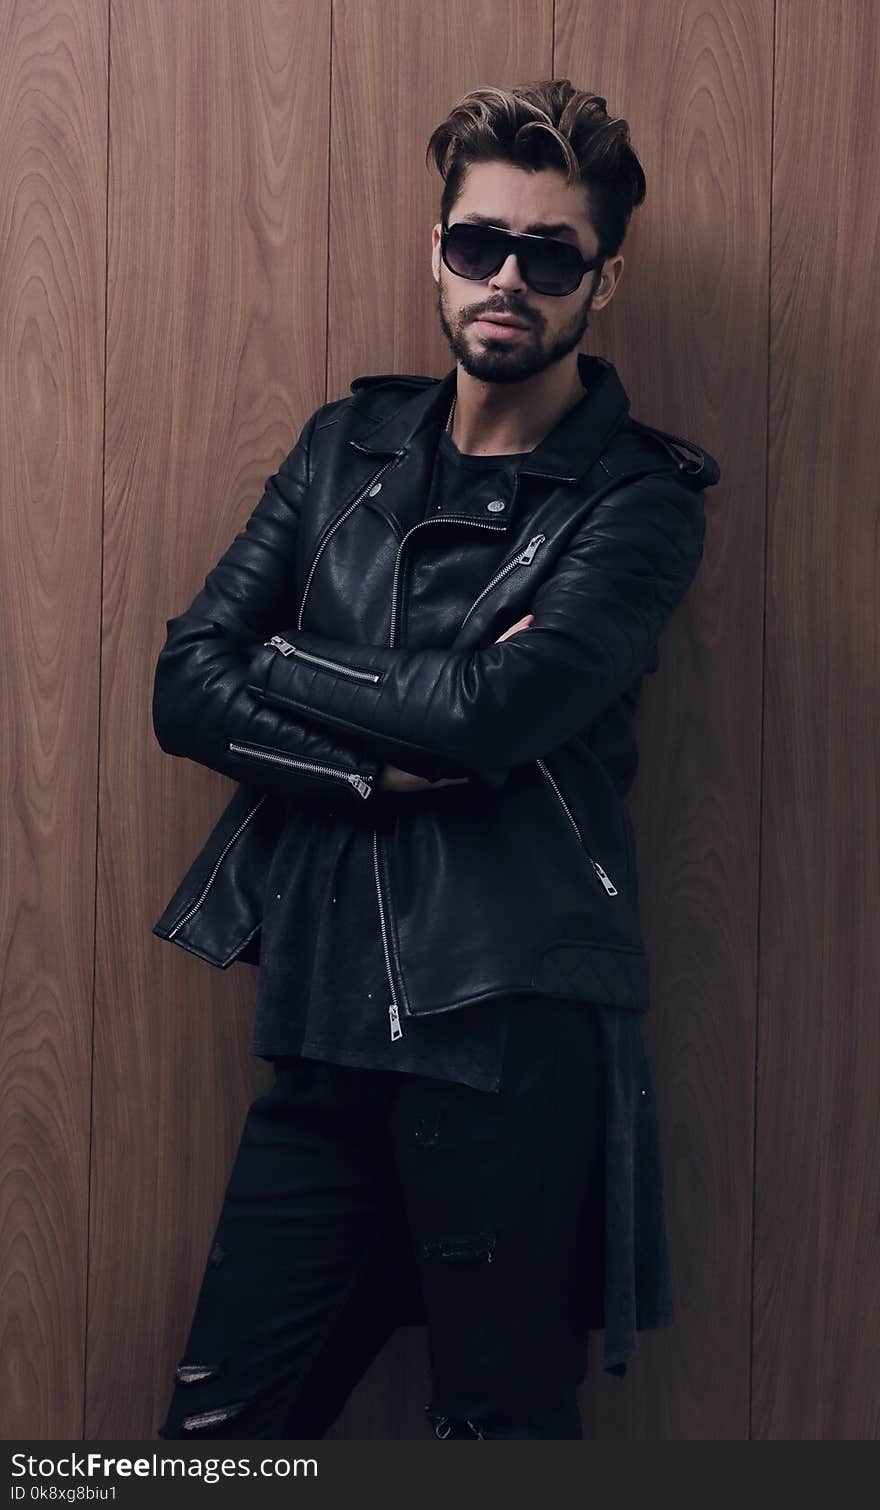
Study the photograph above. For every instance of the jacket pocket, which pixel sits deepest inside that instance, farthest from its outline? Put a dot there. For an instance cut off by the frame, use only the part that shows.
(524, 558)
(601, 874)
(217, 909)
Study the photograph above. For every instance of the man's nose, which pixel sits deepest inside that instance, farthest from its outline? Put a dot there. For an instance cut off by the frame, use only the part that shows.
(508, 274)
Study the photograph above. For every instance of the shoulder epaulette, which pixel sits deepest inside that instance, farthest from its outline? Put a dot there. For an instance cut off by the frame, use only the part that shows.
(704, 464)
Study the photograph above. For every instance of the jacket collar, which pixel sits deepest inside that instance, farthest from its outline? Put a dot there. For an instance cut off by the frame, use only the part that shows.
(566, 454)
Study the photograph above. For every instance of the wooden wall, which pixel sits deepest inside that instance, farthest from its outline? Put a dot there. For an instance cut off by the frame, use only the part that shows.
(214, 216)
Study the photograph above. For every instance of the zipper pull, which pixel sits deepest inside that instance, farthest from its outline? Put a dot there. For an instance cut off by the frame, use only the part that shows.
(281, 644)
(396, 1029)
(360, 785)
(605, 879)
(530, 549)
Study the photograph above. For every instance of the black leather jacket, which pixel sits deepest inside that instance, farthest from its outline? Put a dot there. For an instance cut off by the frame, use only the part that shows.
(289, 673)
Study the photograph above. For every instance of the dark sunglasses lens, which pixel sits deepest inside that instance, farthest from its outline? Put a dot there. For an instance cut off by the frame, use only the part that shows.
(478, 251)
(472, 251)
(553, 269)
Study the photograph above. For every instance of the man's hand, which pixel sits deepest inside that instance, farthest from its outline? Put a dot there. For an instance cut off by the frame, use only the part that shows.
(391, 778)
(522, 623)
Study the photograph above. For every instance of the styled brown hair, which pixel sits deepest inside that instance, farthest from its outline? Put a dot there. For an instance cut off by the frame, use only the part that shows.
(546, 124)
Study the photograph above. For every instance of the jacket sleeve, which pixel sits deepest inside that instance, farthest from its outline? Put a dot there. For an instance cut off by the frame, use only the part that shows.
(201, 708)
(597, 619)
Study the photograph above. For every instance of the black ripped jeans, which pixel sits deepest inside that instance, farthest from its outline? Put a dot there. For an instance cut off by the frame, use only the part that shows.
(360, 1195)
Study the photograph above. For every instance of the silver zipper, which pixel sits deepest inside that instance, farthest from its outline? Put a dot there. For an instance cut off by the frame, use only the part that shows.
(603, 877)
(522, 559)
(286, 648)
(393, 1012)
(480, 524)
(334, 527)
(276, 758)
(217, 863)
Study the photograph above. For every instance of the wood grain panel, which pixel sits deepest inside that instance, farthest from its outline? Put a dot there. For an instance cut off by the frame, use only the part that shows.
(53, 67)
(817, 1319)
(687, 330)
(216, 357)
(398, 68)
(176, 300)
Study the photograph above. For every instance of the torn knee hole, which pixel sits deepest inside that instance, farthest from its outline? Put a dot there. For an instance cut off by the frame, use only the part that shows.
(448, 1426)
(195, 1373)
(466, 1249)
(427, 1130)
(212, 1417)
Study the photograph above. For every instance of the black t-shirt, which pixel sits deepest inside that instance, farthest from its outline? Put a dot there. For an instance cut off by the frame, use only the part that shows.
(330, 999)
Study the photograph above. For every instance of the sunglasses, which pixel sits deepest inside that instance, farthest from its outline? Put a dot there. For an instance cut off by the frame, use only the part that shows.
(548, 266)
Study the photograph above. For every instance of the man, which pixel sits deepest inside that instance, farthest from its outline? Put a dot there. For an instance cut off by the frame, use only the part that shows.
(419, 661)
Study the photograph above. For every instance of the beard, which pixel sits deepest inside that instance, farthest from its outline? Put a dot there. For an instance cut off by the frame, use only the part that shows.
(508, 361)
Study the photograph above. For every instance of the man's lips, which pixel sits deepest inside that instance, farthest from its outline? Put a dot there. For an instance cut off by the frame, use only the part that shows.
(502, 320)
(499, 330)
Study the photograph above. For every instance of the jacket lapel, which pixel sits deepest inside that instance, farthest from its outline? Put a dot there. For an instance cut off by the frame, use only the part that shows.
(409, 437)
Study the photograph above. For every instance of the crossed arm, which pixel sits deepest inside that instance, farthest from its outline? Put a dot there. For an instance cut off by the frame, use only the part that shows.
(393, 778)
(595, 621)
(202, 708)
(441, 715)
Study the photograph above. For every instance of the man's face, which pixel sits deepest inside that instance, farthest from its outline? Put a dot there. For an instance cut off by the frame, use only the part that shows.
(511, 197)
